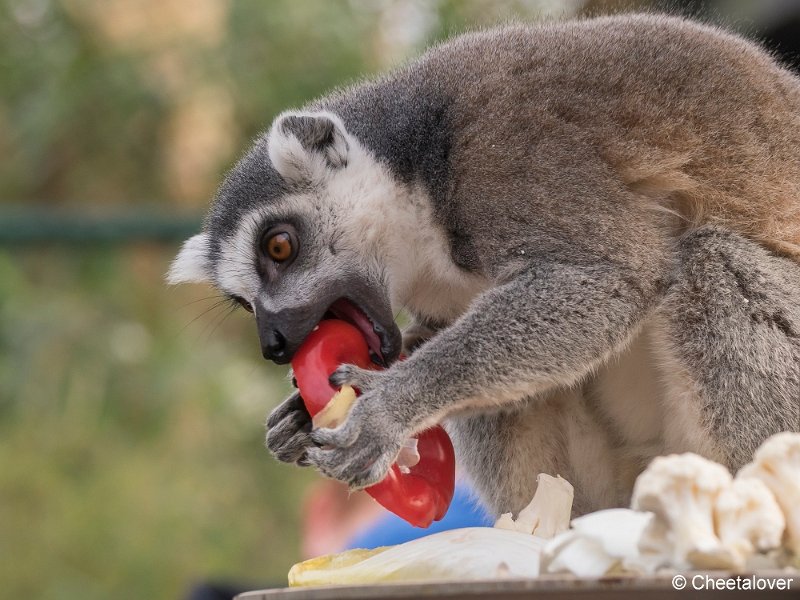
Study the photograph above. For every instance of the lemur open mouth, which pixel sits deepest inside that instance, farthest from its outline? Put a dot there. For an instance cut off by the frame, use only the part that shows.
(374, 333)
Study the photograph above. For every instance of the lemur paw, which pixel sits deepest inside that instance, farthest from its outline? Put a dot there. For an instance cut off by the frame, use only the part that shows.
(361, 450)
(288, 429)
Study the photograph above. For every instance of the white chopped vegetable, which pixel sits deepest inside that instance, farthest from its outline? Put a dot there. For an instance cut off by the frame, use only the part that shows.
(547, 514)
(461, 554)
(581, 556)
(748, 519)
(681, 491)
(505, 521)
(619, 529)
(409, 455)
(777, 464)
(601, 542)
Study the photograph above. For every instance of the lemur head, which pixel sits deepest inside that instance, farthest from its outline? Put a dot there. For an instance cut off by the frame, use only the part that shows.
(298, 232)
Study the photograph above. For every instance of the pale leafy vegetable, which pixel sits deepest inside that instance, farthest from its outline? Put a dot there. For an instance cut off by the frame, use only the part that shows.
(470, 553)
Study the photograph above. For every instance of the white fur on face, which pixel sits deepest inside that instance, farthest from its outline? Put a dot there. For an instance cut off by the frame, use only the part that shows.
(378, 226)
(234, 268)
(191, 264)
(391, 226)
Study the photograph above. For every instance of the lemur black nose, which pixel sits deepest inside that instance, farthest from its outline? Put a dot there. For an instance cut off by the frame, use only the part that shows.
(274, 347)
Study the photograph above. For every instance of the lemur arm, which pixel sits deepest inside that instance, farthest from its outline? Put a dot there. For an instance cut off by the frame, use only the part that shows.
(549, 325)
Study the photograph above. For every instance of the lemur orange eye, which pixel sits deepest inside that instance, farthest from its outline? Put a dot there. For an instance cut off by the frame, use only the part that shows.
(279, 246)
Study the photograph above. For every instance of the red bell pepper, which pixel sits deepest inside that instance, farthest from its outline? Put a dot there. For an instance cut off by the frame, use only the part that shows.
(423, 493)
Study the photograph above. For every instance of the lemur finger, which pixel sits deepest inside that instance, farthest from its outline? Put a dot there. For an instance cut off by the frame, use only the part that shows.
(353, 376)
(343, 436)
(341, 464)
(294, 449)
(293, 404)
(282, 433)
(291, 424)
(361, 478)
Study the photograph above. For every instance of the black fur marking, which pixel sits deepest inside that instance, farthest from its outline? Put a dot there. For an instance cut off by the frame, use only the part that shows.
(252, 183)
(315, 134)
(312, 133)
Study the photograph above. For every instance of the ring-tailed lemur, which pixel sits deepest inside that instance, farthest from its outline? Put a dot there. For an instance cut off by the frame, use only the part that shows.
(596, 223)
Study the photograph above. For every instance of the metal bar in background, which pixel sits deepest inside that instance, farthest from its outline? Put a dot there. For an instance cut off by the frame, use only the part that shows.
(36, 227)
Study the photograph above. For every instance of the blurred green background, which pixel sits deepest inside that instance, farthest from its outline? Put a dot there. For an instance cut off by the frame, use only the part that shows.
(131, 438)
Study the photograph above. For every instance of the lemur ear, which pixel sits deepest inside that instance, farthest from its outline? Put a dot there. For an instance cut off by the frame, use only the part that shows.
(192, 264)
(304, 147)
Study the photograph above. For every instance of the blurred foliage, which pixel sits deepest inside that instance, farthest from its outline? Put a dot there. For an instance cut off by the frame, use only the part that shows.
(131, 437)
(114, 102)
(131, 445)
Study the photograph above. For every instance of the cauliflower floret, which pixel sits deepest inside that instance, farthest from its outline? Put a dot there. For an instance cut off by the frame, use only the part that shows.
(777, 464)
(681, 491)
(748, 519)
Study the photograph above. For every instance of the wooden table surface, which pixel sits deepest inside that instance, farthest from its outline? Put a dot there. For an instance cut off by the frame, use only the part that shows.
(547, 587)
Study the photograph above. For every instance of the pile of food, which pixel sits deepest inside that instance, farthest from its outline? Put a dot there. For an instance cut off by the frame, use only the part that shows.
(686, 512)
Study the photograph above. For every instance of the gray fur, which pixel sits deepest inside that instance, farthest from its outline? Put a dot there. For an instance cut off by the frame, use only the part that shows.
(253, 183)
(734, 324)
(729, 323)
(621, 198)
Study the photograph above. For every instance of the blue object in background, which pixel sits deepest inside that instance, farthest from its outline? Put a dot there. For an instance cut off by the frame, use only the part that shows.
(390, 529)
